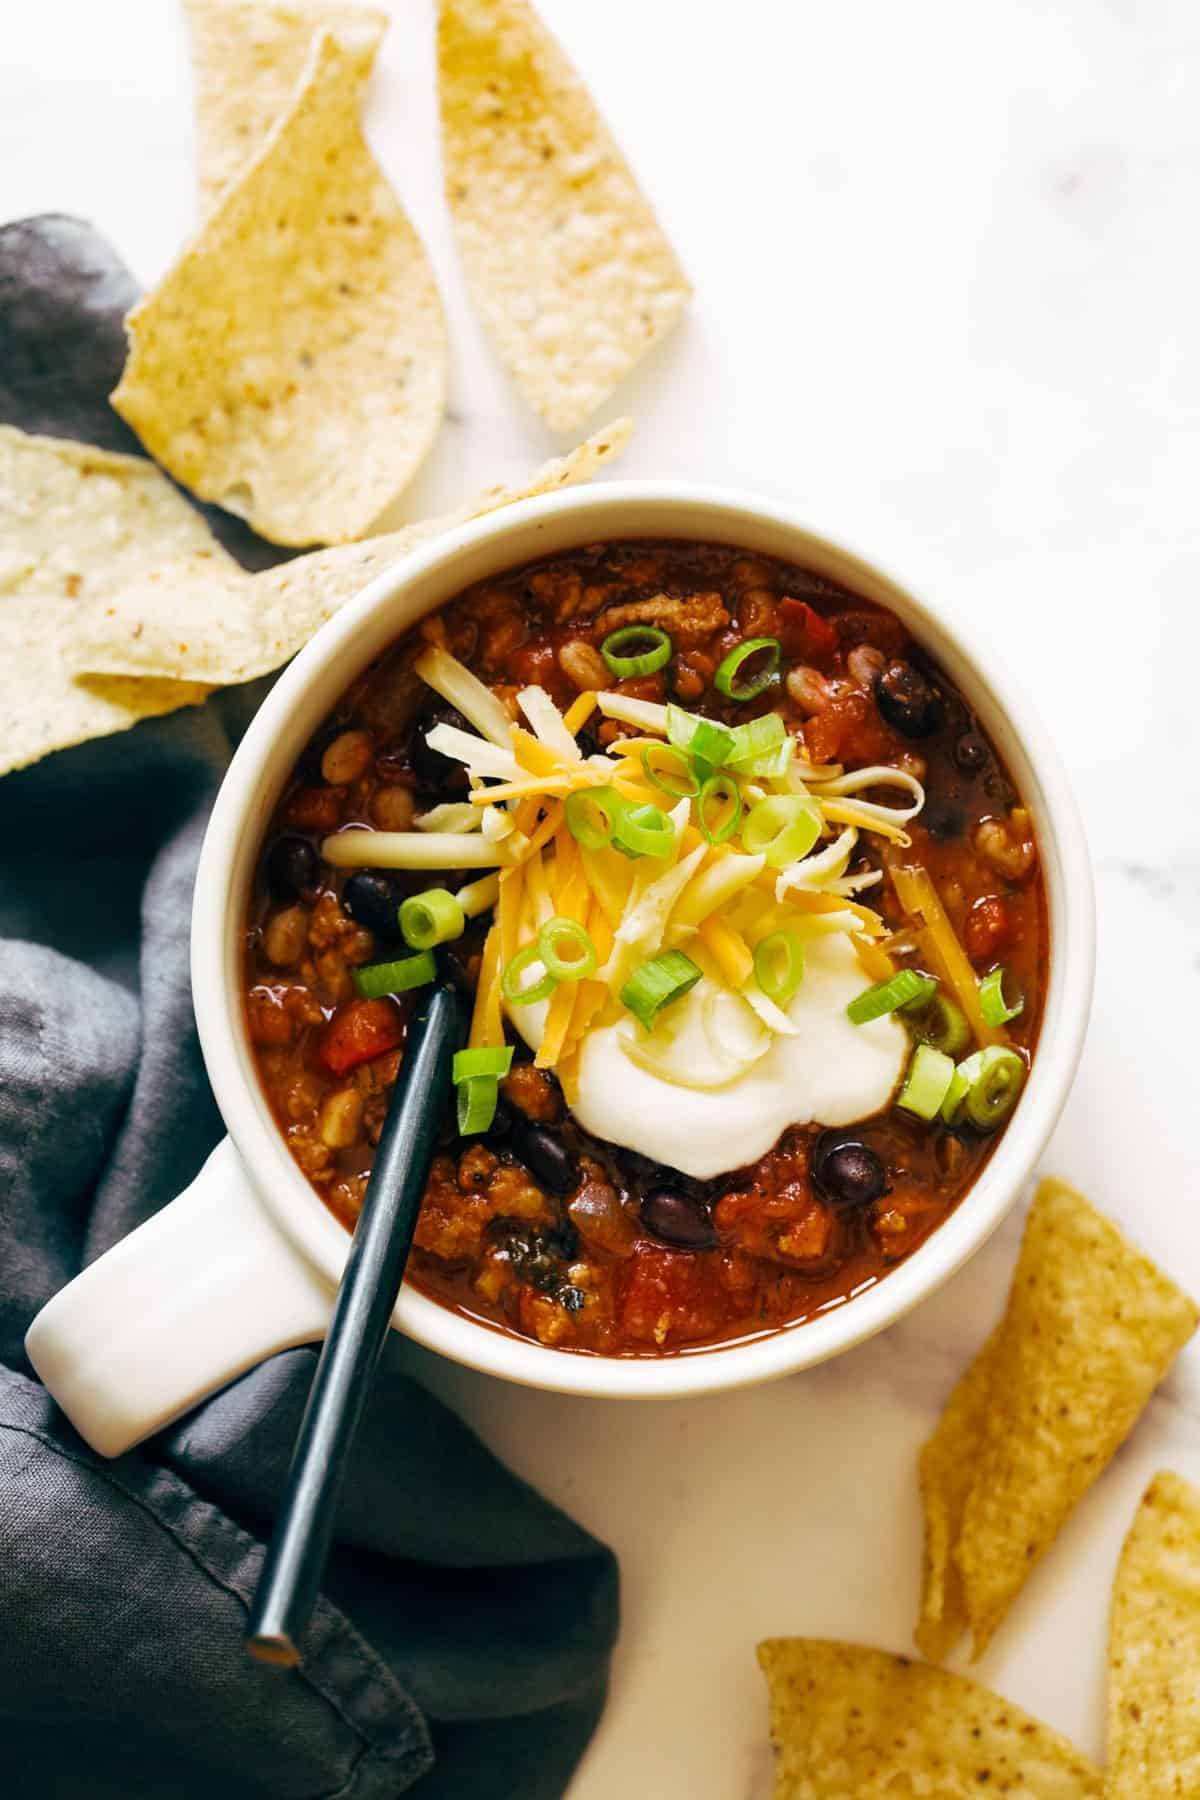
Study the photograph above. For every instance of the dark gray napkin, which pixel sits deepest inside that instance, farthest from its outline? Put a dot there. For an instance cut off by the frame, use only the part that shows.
(463, 1638)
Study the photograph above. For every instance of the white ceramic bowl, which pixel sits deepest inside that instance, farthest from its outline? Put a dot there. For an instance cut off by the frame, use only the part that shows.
(246, 1261)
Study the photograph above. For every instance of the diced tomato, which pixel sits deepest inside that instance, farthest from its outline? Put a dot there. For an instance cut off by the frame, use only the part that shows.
(788, 1224)
(804, 632)
(849, 730)
(358, 1032)
(669, 1296)
(989, 928)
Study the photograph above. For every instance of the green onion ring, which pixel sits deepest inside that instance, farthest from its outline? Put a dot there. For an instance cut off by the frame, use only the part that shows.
(554, 938)
(433, 917)
(992, 1003)
(487, 1060)
(900, 989)
(679, 771)
(475, 1104)
(718, 788)
(658, 983)
(783, 827)
(704, 739)
(994, 1078)
(592, 815)
(510, 981)
(779, 965)
(939, 1023)
(378, 979)
(726, 680)
(929, 1079)
(644, 662)
(644, 831)
(757, 737)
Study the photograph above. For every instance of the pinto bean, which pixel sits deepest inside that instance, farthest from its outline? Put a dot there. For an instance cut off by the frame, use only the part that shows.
(583, 666)
(393, 808)
(341, 1119)
(1008, 844)
(285, 937)
(808, 689)
(865, 665)
(347, 758)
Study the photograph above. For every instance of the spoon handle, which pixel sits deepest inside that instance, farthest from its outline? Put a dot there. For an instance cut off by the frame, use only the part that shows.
(295, 1561)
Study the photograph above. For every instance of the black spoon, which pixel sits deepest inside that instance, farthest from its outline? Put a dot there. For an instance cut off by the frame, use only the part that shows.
(295, 1561)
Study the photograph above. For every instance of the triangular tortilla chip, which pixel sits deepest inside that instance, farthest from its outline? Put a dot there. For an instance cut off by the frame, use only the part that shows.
(947, 1473)
(849, 1723)
(1154, 1650)
(77, 524)
(234, 629)
(247, 60)
(564, 257)
(1090, 1330)
(292, 365)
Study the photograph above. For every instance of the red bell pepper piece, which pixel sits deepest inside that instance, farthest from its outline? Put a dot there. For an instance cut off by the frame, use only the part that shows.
(804, 632)
(358, 1032)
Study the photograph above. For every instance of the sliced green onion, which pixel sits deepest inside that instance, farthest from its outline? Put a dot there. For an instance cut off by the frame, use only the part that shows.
(704, 738)
(783, 828)
(565, 949)
(624, 660)
(677, 778)
(756, 738)
(433, 917)
(644, 831)
(657, 983)
(512, 986)
(938, 1023)
(378, 979)
(930, 1074)
(592, 815)
(716, 791)
(762, 747)
(992, 1003)
(994, 1079)
(900, 989)
(726, 677)
(955, 1095)
(487, 1060)
(476, 1101)
(779, 965)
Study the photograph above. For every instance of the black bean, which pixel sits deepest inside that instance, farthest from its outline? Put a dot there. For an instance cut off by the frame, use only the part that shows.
(850, 1173)
(436, 773)
(373, 900)
(570, 1298)
(293, 868)
(909, 702)
(678, 1219)
(544, 1155)
(502, 1120)
(944, 822)
(971, 753)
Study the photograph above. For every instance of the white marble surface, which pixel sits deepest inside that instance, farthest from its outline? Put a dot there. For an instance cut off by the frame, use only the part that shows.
(947, 297)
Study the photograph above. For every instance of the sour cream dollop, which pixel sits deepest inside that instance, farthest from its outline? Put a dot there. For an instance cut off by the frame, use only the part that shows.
(830, 1073)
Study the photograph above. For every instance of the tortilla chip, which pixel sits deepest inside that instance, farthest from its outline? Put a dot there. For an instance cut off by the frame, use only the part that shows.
(77, 524)
(231, 630)
(292, 365)
(1090, 1330)
(1154, 1650)
(947, 1471)
(248, 57)
(849, 1723)
(565, 260)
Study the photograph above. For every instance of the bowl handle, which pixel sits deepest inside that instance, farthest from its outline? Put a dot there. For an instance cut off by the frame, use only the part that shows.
(195, 1296)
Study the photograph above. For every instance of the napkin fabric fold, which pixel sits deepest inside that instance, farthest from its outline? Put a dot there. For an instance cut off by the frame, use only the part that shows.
(461, 1644)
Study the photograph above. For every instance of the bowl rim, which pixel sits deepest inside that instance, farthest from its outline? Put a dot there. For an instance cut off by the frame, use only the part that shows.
(326, 665)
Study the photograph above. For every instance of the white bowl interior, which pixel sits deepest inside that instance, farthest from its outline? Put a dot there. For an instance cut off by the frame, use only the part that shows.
(309, 689)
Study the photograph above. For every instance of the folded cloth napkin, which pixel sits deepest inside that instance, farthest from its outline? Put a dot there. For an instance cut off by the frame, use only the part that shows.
(461, 1644)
